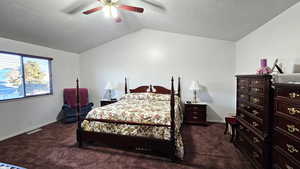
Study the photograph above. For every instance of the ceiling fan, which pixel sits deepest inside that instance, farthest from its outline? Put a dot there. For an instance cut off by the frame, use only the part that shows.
(110, 9)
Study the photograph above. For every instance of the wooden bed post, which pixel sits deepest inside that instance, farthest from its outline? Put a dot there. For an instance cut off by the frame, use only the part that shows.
(179, 88)
(172, 104)
(126, 89)
(79, 140)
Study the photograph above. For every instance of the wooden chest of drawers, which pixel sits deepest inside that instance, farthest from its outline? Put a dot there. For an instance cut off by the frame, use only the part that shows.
(195, 113)
(286, 127)
(254, 114)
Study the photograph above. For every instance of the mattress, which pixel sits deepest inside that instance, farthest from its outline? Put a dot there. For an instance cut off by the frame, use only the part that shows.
(148, 108)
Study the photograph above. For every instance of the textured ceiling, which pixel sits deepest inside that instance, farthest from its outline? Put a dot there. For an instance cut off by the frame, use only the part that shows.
(46, 23)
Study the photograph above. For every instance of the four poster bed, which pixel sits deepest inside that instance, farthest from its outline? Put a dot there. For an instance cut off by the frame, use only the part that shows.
(146, 119)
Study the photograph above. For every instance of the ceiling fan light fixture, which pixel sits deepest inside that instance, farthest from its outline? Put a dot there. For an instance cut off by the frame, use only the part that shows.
(114, 12)
(110, 11)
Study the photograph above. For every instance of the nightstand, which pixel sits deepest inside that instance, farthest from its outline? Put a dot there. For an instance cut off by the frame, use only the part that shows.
(195, 113)
(107, 102)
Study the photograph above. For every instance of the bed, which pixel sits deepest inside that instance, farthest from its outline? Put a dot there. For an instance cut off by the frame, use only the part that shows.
(146, 119)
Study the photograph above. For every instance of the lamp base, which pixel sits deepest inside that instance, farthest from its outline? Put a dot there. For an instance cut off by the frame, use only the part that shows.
(195, 97)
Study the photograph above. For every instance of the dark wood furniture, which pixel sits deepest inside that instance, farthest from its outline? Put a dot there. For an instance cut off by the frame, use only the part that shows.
(232, 121)
(107, 102)
(286, 126)
(254, 114)
(161, 147)
(195, 113)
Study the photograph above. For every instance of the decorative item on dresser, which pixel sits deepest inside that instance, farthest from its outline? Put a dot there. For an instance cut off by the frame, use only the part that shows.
(195, 113)
(254, 114)
(286, 127)
(104, 102)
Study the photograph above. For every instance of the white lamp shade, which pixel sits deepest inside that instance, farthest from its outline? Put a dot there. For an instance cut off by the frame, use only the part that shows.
(194, 86)
(108, 86)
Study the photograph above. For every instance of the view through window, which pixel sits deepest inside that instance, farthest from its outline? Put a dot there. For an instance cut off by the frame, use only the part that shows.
(22, 76)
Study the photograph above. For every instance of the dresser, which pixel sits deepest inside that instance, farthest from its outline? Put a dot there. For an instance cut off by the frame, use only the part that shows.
(286, 127)
(254, 114)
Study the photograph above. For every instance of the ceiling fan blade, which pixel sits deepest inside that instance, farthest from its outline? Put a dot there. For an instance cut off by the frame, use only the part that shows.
(92, 10)
(155, 3)
(77, 6)
(131, 8)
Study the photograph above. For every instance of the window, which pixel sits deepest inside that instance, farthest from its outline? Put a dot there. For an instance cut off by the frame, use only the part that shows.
(24, 76)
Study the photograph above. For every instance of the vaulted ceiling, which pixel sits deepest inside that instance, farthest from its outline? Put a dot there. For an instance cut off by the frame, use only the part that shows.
(51, 23)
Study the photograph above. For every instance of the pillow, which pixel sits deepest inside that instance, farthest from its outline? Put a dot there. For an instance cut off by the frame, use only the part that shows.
(136, 96)
(160, 97)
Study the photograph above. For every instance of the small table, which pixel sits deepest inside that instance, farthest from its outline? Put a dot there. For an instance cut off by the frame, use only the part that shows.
(232, 121)
(107, 102)
(195, 113)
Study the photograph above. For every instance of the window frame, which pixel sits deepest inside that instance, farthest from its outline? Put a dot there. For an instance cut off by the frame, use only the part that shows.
(23, 74)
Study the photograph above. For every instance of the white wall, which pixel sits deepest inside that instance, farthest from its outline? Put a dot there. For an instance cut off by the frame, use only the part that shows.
(279, 38)
(22, 115)
(149, 56)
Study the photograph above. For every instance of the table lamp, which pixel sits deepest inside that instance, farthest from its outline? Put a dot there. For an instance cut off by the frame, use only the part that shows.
(194, 87)
(109, 87)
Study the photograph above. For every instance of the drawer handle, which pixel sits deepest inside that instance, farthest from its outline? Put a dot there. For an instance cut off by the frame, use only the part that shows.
(195, 117)
(243, 87)
(256, 82)
(254, 124)
(292, 128)
(294, 95)
(293, 111)
(255, 112)
(288, 167)
(255, 155)
(243, 96)
(255, 140)
(255, 100)
(242, 116)
(256, 89)
(291, 148)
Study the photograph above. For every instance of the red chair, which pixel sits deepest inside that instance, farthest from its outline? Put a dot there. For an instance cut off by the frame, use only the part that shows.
(70, 104)
(232, 121)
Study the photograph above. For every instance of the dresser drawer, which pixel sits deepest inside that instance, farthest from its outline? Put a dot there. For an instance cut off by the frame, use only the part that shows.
(243, 82)
(257, 82)
(252, 122)
(290, 109)
(243, 105)
(250, 151)
(252, 138)
(243, 96)
(280, 161)
(292, 93)
(256, 112)
(257, 89)
(243, 88)
(195, 109)
(257, 100)
(287, 144)
(288, 126)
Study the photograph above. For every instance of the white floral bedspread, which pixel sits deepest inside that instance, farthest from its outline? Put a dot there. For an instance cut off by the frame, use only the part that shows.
(146, 108)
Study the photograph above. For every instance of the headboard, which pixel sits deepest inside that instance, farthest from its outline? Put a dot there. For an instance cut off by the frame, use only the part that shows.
(141, 89)
(157, 89)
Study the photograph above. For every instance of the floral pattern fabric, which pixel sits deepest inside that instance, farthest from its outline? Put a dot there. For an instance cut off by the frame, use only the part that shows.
(141, 108)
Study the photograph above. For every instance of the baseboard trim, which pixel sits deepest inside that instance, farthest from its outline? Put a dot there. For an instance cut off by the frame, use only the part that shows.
(26, 130)
(216, 121)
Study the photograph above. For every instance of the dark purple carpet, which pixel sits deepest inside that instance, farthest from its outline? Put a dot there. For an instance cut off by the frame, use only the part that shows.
(55, 148)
